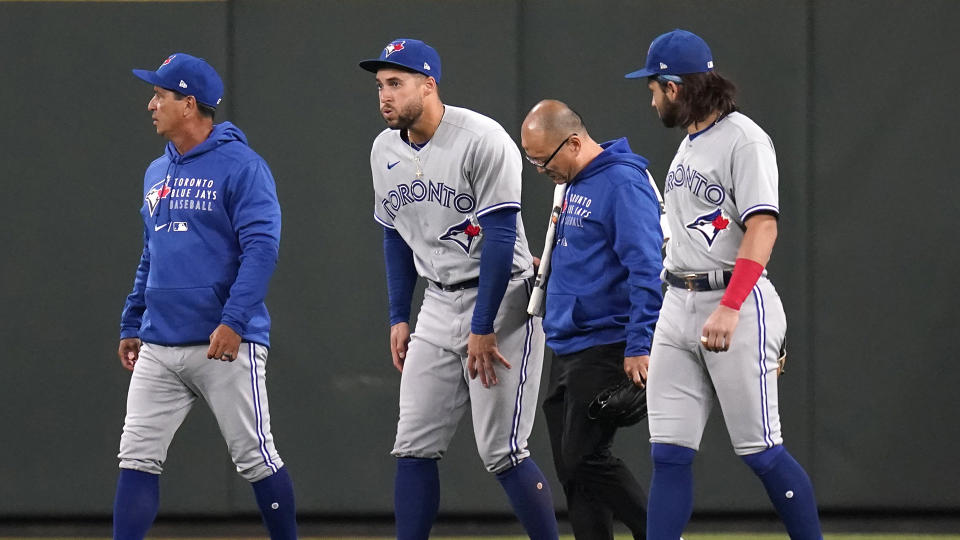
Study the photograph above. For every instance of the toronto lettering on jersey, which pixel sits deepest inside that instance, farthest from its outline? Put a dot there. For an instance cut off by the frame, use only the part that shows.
(696, 183)
(576, 209)
(192, 194)
(418, 191)
(182, 194)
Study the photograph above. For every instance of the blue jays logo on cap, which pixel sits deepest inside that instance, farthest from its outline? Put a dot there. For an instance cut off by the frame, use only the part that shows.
(188, 75)
(409, 54)
(393, 47)
(676, 53)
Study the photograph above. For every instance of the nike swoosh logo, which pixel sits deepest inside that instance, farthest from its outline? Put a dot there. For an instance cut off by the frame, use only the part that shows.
(159, 227)
(392, 165)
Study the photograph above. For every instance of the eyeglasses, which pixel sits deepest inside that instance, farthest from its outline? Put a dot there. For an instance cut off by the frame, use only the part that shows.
(543, 164)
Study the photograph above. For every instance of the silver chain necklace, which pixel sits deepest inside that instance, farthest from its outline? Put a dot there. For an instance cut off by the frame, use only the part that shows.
(418, 151)
(418, 148)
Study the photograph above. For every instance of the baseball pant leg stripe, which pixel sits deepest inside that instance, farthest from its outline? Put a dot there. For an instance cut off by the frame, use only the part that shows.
(518, 405)
(261, 437)
(762, 337)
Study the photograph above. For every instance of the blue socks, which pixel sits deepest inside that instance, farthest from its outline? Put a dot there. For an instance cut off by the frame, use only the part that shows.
(138, 499)
(671, 491)
(275, 498)
(790, 491)
(136, 504)
(416, 497)
(531, 499)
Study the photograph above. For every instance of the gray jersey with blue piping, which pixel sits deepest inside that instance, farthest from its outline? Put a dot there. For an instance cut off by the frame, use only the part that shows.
(717, 180)
(470, 167)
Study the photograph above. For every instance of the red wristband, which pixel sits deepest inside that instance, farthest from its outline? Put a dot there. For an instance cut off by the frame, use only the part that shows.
(745, 275)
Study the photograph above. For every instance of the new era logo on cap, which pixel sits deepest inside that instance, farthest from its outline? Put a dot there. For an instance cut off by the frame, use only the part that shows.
(663, 66)
(409, 54)
(180, 72)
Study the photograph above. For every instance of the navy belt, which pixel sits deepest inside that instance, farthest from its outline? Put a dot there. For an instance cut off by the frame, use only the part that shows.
(705, 281)
(453, 287)
(470, 283)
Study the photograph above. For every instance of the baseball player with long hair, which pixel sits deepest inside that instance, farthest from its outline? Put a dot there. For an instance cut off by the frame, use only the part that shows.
(195, 325)
(447, 193)
(722, 325)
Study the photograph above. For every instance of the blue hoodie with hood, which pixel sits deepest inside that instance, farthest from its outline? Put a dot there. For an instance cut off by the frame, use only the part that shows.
(211, 237)
(604, 284)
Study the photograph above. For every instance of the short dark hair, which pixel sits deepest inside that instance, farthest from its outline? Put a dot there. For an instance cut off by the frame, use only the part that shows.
(701, 94)
(205, 110)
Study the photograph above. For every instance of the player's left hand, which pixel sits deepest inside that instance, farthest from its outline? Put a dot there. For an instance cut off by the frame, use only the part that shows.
(224, 344)
(482, 356)
(636, 368)
(718, 330)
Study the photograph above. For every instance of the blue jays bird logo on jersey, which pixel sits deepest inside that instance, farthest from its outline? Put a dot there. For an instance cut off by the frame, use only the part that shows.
(157, 192)
(710, 225)
(462, 234)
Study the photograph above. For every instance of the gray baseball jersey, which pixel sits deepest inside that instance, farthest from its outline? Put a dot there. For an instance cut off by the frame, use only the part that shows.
(716, 181)
(433, 198)
(469, 168)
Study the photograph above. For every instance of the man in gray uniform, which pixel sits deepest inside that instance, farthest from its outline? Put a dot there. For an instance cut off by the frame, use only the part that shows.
(447, 193)
(722, 325)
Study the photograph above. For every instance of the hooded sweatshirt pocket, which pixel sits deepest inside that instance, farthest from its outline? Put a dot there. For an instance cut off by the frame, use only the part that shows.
(562, 318)
(190, 314)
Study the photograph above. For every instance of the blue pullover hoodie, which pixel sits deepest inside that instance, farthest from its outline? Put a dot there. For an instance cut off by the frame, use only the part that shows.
(210, 243)
(604, 284)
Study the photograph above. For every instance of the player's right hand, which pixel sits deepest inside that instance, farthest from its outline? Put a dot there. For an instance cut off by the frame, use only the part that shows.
(129, 352)
(399, 341)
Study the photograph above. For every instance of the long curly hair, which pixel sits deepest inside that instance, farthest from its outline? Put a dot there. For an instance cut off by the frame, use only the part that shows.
(703, 93)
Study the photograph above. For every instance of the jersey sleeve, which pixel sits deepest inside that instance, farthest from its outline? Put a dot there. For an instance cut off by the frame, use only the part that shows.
(634, 233)
(494, 172)
(135, 305)
(755, 179)
(255, 215)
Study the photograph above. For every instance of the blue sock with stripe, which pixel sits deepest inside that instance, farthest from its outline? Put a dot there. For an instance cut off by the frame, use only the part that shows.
(671, 491)
(416, 497)
(136, 504)
(277, 506)
(531, 499)
(790, 491)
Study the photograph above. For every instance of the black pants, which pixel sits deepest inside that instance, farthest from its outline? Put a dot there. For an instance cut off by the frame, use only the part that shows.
(597, 484)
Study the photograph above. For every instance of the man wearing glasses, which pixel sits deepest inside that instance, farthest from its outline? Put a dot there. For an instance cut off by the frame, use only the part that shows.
(603, 299)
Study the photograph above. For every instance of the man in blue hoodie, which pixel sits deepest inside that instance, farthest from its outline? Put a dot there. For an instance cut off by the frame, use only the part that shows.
(195, 325)
(603, 298)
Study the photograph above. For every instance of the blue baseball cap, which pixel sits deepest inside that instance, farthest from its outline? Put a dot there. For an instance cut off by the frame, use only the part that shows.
(406, 53)
(188, 75)
(676, 53)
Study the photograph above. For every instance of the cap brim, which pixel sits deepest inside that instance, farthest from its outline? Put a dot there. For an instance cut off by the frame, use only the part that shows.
(375, 65)
(641, 73)
(148, 76)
